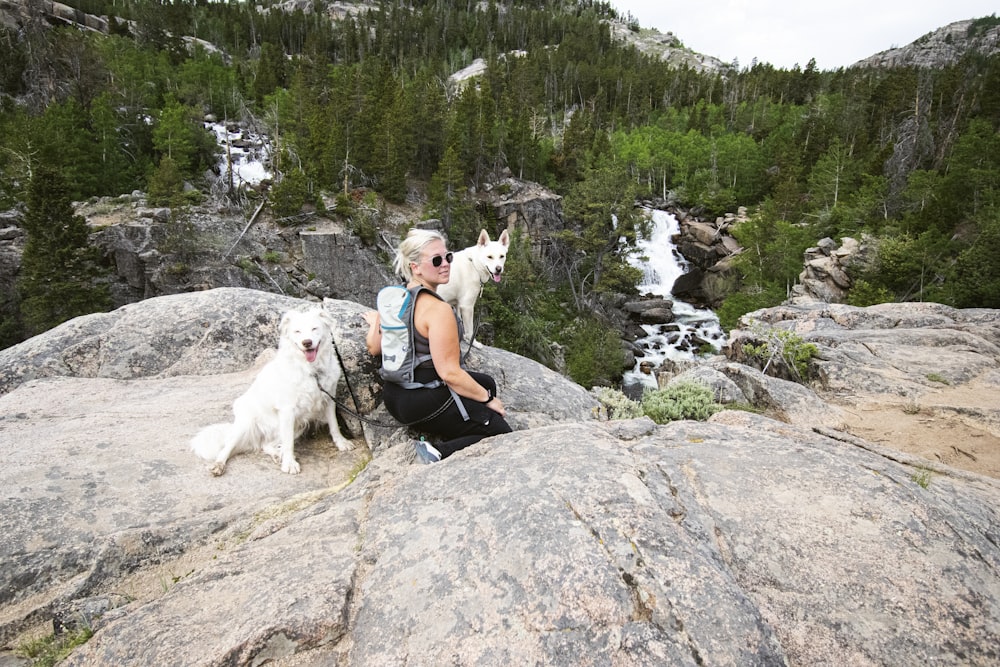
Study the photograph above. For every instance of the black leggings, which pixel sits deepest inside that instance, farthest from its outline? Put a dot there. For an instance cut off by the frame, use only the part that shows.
(412, 405)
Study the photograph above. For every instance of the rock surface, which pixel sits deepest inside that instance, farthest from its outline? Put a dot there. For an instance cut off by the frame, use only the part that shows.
(921, 377)
(744, 540)
(942, 47)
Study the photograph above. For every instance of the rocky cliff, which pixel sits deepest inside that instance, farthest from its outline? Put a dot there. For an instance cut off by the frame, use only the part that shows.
(749, 539)
(942, 47)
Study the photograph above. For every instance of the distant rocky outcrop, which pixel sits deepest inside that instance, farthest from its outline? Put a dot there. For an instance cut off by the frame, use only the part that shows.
(942, 47)
(826, 276)
(571, 541)
(15, 13)
(668, 48)
(708, 247)
(525, 207)
(158, 251)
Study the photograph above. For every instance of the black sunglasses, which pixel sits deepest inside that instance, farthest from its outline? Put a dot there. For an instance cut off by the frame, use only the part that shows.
(437, 259)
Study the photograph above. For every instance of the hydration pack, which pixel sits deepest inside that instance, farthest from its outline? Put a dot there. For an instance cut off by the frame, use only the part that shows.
(399, 355)
(395, 305)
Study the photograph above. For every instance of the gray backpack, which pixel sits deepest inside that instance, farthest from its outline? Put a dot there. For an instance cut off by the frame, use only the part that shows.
(399, 357)
(395, 305)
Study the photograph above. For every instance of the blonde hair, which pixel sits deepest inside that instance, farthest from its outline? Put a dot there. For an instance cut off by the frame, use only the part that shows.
(410, 249)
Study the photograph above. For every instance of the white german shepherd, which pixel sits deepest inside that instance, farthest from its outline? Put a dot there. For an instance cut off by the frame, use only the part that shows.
(471, 269)
(293, 389)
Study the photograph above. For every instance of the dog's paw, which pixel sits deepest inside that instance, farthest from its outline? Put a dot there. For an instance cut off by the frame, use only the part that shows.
(217, 468)
(291, 467)
(476, 344)
(343, 444)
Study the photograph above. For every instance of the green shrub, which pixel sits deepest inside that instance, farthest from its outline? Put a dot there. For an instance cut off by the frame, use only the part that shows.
(343, 205)
(739, 303)
(922, 477)
(53, 648)
(290, 195)
(594, 352)
(682, 400)
(367, 219)
(165, 183)
(618, 405)
(779, 351)
(864, 293)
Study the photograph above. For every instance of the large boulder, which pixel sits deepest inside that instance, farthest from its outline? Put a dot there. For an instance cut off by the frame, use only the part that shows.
(825, 276)
(571, 541)
(215, 331)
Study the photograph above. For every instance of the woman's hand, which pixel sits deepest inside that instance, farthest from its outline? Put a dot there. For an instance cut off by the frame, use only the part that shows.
(496, 405)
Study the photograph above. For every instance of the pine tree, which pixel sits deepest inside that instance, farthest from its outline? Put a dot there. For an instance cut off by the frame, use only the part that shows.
(59, 269)
(448, 200)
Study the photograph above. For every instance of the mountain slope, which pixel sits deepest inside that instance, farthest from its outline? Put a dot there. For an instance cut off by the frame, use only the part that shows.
(667, 47)
(945, 46)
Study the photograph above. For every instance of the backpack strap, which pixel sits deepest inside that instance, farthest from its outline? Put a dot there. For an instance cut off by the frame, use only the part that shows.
(419, 359)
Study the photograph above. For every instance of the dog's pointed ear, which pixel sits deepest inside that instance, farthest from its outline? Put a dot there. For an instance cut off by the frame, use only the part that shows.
(484, 238)
(504, 238)
(283, 323)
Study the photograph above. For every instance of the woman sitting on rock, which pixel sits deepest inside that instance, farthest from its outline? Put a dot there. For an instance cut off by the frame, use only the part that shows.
(431, 391)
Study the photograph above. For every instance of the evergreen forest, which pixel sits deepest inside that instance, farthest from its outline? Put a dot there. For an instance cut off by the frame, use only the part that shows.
(907, 157)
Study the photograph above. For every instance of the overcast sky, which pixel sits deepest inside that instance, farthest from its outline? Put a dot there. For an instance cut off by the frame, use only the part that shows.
(789, 32)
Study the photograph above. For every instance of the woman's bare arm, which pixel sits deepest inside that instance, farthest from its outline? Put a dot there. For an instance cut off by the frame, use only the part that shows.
(437, 319)
(373, 339)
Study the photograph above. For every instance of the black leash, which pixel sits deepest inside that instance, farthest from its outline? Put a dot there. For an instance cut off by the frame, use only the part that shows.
(347, 381)
(356, 414)
(395, 424)
(475, 328)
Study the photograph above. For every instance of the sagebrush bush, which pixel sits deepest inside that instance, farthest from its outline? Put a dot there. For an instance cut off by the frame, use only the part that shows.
(682, 400)
(618, 405)
(780, 352)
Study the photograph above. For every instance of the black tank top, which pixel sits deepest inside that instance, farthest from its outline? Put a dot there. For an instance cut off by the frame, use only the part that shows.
(422, 346)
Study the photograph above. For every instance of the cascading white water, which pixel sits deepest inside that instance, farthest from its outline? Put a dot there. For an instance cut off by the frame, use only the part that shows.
(662, 265)
(658, 257)
(248, 163)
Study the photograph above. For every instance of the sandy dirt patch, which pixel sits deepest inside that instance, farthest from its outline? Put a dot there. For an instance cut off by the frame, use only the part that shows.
(950, 425)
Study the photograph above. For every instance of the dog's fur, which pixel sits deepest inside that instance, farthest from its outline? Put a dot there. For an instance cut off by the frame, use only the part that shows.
(287, 394)
(471, 269)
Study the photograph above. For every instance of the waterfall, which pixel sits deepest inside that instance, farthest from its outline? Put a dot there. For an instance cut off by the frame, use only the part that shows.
(657, 256)
(246, 154)
(682, 339)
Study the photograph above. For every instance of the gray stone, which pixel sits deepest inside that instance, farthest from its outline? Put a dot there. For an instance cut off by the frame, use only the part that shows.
(940, 48)
(739, 541)
(337, 258)
(889, 351)
(725, 390)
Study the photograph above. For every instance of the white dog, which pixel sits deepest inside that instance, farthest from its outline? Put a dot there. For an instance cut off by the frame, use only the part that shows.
(293, 389)
(470, 270)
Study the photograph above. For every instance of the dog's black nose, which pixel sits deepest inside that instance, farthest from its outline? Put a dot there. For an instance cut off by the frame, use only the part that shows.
(307, 343)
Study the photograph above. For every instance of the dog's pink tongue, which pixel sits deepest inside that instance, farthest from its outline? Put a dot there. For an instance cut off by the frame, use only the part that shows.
(311, 354)
(496, 277)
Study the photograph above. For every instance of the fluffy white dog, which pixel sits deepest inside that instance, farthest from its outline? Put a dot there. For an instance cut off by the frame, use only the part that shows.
(293, 389)
(470, 270)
